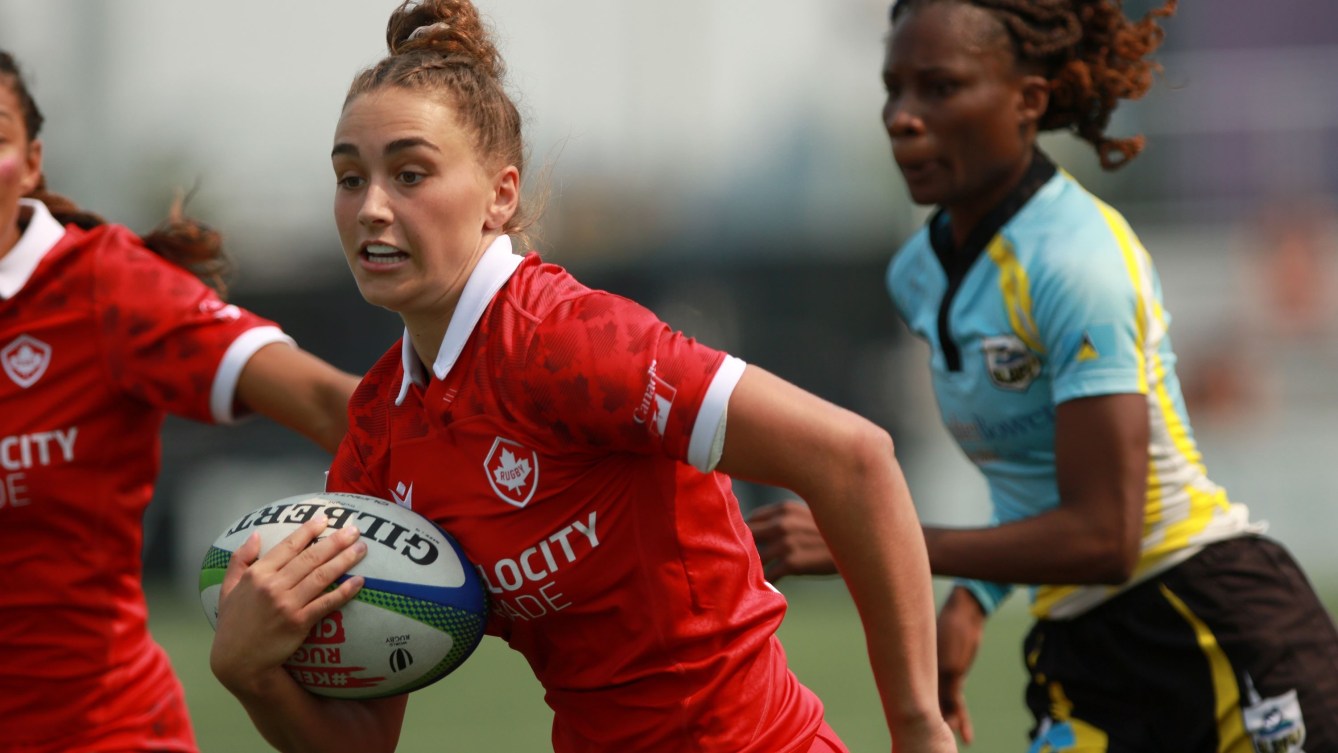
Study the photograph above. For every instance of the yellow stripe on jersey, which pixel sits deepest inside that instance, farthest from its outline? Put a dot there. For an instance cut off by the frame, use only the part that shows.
(1181, 500)
(1016, 292)
(1133, 263)
(1231, 737)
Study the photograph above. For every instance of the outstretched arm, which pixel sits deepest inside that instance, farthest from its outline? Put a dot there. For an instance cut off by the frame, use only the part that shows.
(1102, 465)
(845, 468)
(298, 390)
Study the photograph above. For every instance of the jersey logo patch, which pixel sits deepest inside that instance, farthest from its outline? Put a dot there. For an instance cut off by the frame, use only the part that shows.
(25, 360)
(1010, 362)
(1274, 723)
(224, 312)
(1087, 351)
(656, 402)
(513, 471)
(403, 495)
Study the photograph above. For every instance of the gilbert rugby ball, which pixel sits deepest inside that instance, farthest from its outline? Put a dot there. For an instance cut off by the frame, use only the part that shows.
(421, 611)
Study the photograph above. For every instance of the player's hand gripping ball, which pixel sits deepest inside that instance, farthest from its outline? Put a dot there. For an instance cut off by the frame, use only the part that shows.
(419, 615)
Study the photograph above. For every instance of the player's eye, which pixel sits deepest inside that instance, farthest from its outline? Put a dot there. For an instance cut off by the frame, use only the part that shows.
(411, 178)
(351, 182)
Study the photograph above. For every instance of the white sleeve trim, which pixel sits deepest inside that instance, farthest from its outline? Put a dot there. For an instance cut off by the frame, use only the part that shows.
(708, 433)
(224, 392)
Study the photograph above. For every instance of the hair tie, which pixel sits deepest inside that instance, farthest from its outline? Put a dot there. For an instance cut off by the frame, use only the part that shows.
(423, 31)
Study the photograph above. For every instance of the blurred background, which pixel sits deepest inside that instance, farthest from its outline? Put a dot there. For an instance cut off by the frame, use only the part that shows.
(723, 163)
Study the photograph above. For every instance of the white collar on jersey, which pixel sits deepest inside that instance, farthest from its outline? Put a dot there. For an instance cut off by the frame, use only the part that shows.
(42, 234)
(495, 267)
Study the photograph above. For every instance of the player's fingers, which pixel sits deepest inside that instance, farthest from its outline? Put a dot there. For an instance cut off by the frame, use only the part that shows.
(764, 513)
(329, 564)
(776, 569)
(294, 544)
(317, 553)
(240, 560)
(335, 598)
(967, 732)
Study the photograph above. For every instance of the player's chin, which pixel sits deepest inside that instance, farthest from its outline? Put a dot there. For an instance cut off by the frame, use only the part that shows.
(378, 292)
(926, 193)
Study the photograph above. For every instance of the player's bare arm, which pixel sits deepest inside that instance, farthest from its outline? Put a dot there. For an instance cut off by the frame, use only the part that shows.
(845, 468)
(1101, 462)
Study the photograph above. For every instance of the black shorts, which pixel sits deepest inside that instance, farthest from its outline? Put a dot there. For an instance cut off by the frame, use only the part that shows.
(1229, 651)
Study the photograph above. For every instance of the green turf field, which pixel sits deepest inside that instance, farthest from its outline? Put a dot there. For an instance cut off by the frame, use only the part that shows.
(493, 703)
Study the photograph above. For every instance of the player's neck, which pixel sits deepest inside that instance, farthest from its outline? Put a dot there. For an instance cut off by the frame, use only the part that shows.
(426, 332)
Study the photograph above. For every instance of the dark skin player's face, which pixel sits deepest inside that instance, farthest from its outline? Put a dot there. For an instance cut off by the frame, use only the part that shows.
(960, 114)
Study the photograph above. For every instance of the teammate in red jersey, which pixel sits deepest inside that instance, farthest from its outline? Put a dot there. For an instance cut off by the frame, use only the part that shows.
(577, 447)
(100, 338)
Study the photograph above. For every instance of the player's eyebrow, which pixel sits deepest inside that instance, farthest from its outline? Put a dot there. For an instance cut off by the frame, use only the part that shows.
(398, 145)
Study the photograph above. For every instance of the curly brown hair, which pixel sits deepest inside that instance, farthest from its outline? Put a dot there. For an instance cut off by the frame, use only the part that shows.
(1092, 54)
(186, 242)
(443, 46)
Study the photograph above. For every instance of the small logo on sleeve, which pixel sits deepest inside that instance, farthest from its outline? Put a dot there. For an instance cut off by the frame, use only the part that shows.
(513, 471)
(656, 402)
(25, 360)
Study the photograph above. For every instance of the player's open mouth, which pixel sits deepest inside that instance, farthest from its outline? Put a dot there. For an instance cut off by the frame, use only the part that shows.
(379, 253)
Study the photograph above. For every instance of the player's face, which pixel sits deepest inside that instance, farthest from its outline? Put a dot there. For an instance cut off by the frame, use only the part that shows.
(955, 111)
(414, 206)
(20, 165)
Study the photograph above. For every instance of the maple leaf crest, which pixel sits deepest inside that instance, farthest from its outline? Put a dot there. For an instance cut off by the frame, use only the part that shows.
(27, 359)
(512, 473)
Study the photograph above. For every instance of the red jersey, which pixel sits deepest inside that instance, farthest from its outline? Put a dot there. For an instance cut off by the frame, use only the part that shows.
(99, 339)
(556, 439)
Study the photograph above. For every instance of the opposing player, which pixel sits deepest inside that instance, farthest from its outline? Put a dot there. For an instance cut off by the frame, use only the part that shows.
(100, 338)
(576, 447)
(1166, 621)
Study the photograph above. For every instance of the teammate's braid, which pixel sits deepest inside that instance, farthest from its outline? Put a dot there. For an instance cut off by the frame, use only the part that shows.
(442, 46)
(1093, 55)
(179, 239)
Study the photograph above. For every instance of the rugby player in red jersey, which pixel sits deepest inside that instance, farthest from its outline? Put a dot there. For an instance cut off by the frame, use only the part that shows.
(100, 338)
(577, 448)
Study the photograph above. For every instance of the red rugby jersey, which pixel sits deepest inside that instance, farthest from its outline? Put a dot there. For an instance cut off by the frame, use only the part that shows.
(99, 339)
(553, 440)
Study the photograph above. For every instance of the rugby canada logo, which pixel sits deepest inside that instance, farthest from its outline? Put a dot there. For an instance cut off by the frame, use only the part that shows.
(25, 360)
(656, 402)
(513, 471)
(1010, 362)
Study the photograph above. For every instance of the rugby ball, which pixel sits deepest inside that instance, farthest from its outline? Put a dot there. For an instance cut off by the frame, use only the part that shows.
(421, 611)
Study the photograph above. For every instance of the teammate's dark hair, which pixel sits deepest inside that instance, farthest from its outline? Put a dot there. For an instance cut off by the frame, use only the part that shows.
(1092, 54)
(186, 242)
(442, 46)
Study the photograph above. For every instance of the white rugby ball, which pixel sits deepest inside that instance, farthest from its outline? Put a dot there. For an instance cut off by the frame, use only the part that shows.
(421, 611)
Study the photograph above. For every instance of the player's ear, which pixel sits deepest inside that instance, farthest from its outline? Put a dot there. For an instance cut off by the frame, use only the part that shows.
(32, 168)
(505, 198)
(1033, 99)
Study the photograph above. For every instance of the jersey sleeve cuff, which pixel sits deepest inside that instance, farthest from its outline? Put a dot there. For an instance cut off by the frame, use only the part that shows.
(989, 594)
(223, 395)
(708, 436)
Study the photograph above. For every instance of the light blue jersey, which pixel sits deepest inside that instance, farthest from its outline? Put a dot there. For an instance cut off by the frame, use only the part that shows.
(1059, 301)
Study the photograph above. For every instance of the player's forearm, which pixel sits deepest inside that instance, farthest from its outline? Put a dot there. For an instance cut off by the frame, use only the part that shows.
(1026, 551)
(874, 534)
(296, 721)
